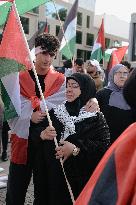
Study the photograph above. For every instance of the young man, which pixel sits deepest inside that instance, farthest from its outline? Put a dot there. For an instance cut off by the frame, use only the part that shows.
(79, 66)
(24, 148)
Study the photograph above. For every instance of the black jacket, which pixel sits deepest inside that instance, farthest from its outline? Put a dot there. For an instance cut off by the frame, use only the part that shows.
(92, 137)
(117, 119)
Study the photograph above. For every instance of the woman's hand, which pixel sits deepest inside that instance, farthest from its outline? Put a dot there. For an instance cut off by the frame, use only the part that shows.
(92, 105)
(37, 116)
(48, 134)
(65, 150)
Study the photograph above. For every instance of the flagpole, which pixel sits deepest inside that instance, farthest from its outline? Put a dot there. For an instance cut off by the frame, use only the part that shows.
(42, 96)
(105, 45)
(63, 31)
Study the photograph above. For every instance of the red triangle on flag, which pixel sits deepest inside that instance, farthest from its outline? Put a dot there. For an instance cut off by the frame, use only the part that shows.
(13, 44)
(117, 56)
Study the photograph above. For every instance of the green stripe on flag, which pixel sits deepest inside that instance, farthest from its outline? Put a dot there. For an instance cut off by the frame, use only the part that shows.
(4, 12)
(23, 6)
(8, 66)
(9, 109)
(97, 54)
(69, 52)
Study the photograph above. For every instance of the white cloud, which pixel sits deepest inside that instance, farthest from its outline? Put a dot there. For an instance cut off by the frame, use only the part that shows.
(121, 8)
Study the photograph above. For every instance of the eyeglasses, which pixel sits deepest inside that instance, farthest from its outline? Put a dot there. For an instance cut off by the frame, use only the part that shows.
(73, 85)
(125, 74)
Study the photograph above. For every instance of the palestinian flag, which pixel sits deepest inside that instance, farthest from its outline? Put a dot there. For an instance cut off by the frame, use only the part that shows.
(68, 41)
(23, 6)
(99, 44)
(108, 53)
(114, 179)
(116, 56)
(13, 58)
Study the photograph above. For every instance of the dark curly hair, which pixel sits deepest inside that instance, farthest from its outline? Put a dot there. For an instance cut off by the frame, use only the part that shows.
(47, 42)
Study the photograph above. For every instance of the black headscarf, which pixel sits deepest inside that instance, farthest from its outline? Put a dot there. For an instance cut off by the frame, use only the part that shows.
(88, 91)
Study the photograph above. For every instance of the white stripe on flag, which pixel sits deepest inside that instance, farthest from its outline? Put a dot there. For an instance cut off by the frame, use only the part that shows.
(20, 125)
(69, 33)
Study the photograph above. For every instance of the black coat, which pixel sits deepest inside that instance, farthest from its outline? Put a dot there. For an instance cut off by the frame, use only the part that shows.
(117, 119)
(92, 137)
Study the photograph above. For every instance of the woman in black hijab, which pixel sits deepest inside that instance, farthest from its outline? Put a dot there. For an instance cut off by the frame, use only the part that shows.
(83, 139)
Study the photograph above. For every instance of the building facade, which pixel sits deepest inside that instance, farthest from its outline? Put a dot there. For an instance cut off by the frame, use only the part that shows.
(87, 26)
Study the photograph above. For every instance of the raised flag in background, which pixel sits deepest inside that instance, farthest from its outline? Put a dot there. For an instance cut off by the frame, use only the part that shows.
(68, 40)
(13, 58)
(46, 30)
(116, 57)
(99, 44)
(23, 6)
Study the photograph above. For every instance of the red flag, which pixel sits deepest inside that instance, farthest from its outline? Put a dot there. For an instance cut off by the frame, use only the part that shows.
(99, 44)
(13, 44)
(116, 57)
(101, 37)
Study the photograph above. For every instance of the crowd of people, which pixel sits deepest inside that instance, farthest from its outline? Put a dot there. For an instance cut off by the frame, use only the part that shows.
(86, 116)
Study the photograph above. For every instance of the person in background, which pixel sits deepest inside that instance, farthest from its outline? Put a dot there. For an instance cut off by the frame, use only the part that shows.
(79, 66)
(95, 71)
(67, 67)
(5, 138)
(128, 65)
(119, 115)
(83, 138)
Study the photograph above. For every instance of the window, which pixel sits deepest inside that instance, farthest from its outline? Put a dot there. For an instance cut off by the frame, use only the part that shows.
(50, 11)
(79, 18)
(80, 53)
(107, 42)
(25, 24)
(87, 55)
(89, 39)
(79, 37)
(57, 30)
(35, 10)
(88, 22)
